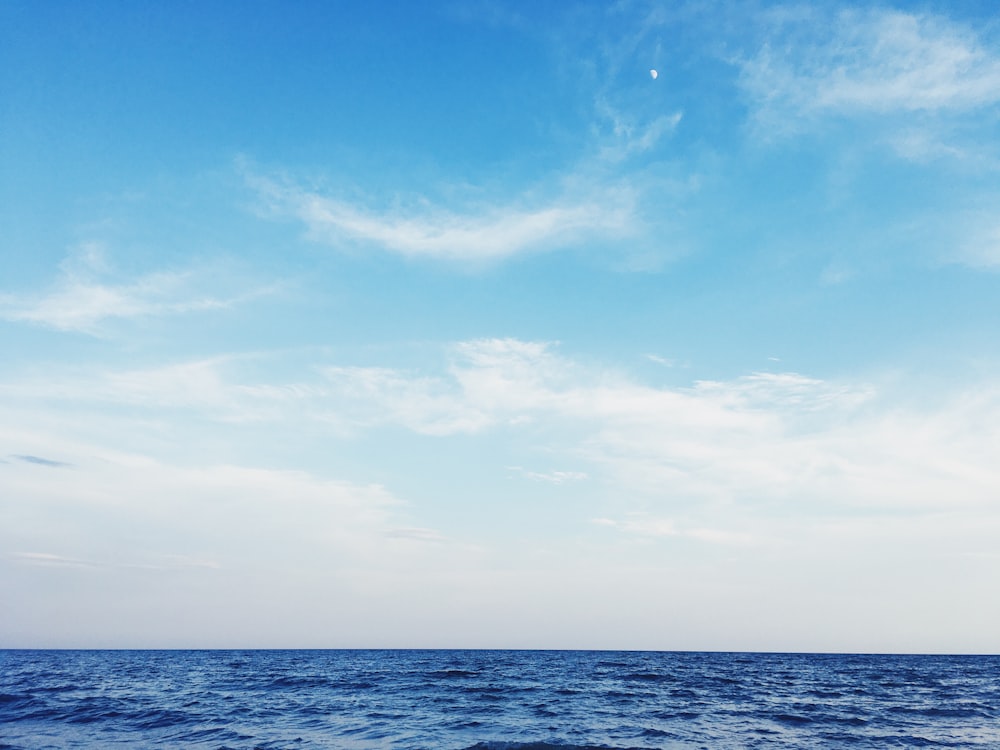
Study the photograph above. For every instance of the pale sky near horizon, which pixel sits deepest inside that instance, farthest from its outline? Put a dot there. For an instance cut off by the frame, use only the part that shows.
(337, 324)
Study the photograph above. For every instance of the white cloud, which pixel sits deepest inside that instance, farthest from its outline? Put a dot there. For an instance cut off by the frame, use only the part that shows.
(422, 404)
(764, 438)
(645, 526)
(874, 61)
(480, 233)
(82, 299)
(203, 389)
(664, 361)
(770, 476)
(416, 534)
(161, 562)
(549, 477)
(47, 559)
(129, 547)
(982, 248)
(82, 305)
(924, 146)
(761, 438)
(630, 136)
(164, 516)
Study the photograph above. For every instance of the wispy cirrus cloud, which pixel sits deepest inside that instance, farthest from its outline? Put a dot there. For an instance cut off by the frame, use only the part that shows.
(981, 249)
(86, 296)
(549, 477)
(49, 559)
(186, 515)
(763, 439)
(477, 233)
(874, 61)
(493, 381)
(426, 405)
(415, 534)
(644, 526)
(163, 562)
(631, 136)
(39, 460)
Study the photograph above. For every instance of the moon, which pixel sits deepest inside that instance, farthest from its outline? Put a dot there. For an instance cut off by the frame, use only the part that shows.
(653, 74)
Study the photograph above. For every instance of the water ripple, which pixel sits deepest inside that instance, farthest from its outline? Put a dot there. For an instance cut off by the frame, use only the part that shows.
(493, 700)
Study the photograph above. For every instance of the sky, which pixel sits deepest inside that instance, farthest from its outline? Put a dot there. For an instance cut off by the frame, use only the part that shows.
(450, 325)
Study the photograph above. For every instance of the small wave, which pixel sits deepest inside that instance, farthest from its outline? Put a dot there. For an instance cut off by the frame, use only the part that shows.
(725, 680)
(793, 719)
(298, 682)
(967, 711)
(464, 724)
(161, 719)
(356, 685)
(206, 734)
(544, 711)
(500, 745)
(851, 721)
(40, 714)
(21, 706)
(684, 694)
(486, 690)
(826, 694)
(503, 701)
(648, 677)
(384, 715)
(671, 715)
(917, 741)
(657, 733)
(57, 688)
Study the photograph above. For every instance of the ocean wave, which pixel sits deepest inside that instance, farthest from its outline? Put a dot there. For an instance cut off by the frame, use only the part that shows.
(493, 701)
(499, 745)
(453, 673)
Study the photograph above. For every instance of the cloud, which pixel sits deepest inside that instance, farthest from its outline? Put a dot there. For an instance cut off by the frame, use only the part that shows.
(415, 534)
(152, 514)
(165, 562)
(643, 526)
(129, 546)
(630, 136)
(213, 389)
(39, 460)
(759, 440)
(778, 473)
(49, 559)
(664, 361)
(982, 248)
(480, 233)
(549, 477)
(83, 299)
(874, 61)
(926, 145)
(489, 382)
(423, 404)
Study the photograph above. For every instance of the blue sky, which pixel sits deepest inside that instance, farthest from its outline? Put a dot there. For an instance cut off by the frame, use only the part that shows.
(396, 325)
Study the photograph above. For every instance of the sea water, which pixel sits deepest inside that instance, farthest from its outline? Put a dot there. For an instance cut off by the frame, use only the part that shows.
(494, 700)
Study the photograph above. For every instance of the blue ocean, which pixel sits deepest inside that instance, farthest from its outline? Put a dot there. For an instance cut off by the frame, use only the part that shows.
(494, 700)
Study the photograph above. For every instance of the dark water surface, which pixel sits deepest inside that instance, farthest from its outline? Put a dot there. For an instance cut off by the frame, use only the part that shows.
(494, 700)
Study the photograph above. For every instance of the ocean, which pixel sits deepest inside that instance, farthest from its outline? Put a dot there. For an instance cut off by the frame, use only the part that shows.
(494, 700)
